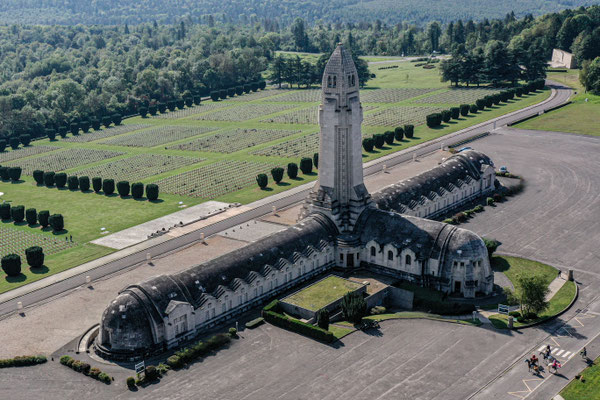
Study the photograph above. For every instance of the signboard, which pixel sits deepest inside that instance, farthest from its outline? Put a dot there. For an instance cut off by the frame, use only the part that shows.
(503, 309)
(140, 367)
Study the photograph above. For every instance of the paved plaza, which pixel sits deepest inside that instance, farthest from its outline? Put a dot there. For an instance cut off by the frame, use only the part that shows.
(555, 220)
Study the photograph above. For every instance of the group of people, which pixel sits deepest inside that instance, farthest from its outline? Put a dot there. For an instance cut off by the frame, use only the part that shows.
(551, 362)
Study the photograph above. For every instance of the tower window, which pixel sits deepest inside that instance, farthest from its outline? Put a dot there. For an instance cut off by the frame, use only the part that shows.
(334, 81)
(373, 251)
(351, 81)
(408, 259)
(329, 82)
(390, 255)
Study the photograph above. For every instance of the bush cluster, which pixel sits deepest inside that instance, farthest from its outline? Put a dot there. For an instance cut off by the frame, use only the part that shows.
(10, 173)
(22, 361)
(85, 369)
(197, 350)
(379, 140)
(18, 214)
(254, 323)
(222, 94)
(270, 314)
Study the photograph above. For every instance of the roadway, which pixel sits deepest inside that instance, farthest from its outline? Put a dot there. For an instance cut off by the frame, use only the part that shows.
(42, 291)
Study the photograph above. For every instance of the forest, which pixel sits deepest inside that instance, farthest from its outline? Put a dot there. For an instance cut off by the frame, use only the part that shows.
(53, 76)
(114, 12)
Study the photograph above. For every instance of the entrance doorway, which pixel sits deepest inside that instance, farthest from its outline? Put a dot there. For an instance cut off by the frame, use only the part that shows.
(457, 286)
(350, 260)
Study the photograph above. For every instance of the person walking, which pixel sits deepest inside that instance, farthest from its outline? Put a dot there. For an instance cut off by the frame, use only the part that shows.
(583, 353)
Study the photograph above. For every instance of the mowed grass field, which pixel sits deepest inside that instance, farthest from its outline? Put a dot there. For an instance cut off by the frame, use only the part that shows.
(581, 116)
(212, 152)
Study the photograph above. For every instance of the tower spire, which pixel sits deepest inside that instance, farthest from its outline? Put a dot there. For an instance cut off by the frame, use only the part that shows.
(340, 192)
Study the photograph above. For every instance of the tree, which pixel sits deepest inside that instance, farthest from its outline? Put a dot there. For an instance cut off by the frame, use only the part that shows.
(368, 144)
(73, 182)
(379, 140)
(214, 95)
(5, 211)
(455, 112)
(31, 216)
(262, 180)
(60, 180)
(464, 110)
(106, 121)
(11, 265)
(116, 119)
(323, 319)
(62, 131)
(3, 145)
(108, 186)
(491, 246)
(14, 142)
(388, 136)
(434, 120)
(17, 213)
(277, 70)
(137, 190)
(446, 115)
(409, 131)
(292, 170)
(398, 133)
(152, 192)
(85, 126)
(35, 256)
(511, 297)
(143, 112)
(57, 223)
(354, 307)
(277, 174)
(25, 139)
(590, 76)
(74, 128)
(299, 34)
(97, 184)
(533, 291)
(434, 31)
(451, 70)
(44, 218)
(4, 173)
(84, 183)
(123, 188)
(306, 165)
(14, 173)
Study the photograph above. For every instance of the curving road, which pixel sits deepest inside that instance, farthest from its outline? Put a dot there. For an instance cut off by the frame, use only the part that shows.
(55, 285)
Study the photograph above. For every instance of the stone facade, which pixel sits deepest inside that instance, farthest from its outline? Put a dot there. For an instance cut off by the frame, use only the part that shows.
(340, 226)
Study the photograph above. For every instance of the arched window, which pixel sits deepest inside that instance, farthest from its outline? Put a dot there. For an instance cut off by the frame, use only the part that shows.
(329, 81)
(407, 259)
(373, 251)
(334, 81)
(353, 81)
(390, 255)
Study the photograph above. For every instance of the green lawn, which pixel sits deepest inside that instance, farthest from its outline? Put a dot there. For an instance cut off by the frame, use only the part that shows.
(579, 117)
(514, 267)
(589, 389)
(340, 332)
(324, 292)
(422, 315)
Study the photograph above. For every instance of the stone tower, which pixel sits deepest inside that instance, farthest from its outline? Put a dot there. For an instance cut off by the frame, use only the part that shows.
(340, 192)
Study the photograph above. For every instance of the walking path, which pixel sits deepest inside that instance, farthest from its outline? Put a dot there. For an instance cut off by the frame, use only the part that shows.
(127, 257)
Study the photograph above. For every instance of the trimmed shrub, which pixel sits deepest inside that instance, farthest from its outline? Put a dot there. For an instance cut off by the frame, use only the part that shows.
(292, 170)
(189, 101)
(62, 131)
(84, 183)
(379, 140)
(464, 110)
(96, 125)
(306, 165)
(130, 382)
(35, 256)
(174, 362)
(17, 213)
(262, 180)
(262, 85)
(231, 91)
(152, 109)
(4, 174)
(2, 145)
(5, 211)
(247, 88)
(239, 90)
(446, 115)
(152, 192)
(22, 361)
(473, 108)
(44, 218)
(14, 173)
(51, 134)
(25, 139)
(460, 217)
(233, 332)
(434, 120)
(150, 374)
(480, 103)
(180, 103)
(254, 86)
(223, 94)
(94, 372)
(398, 133)
(162, 108)
(254, 323)
(57, 222)
(31, 216)
(74, 128)
(519, 91)
(489, 101)
(455, 112)
(271, 315)
(323, 319)
(478, 208)
(388, 136)
(497, 197)
(106, 121)
(73, 182)
(108, 186)
(277, 174)
(143, 112)
(496, 98)
(38, 176)
(60, 180)
(11, 264)
(103, 377)
(137, 190)
(14, 142)
(123, 188)
(97, 184)
(489, 201)
(116, 119)
(316, 160)
(197, 100)
(367, 144)
(85, 126)
(214, 95)
(354, 307)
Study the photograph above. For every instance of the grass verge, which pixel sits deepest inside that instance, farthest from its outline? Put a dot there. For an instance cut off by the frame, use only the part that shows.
(586, 388)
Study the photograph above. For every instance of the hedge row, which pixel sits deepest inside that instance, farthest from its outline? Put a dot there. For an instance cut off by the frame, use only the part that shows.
(85, 368)
(18, 214)
(222, 94)
(380, 139)
(271, 314)
(197, 350)
(22, 361)
(10, 173)
(155, 108)
(306, 166)
(11, 263)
